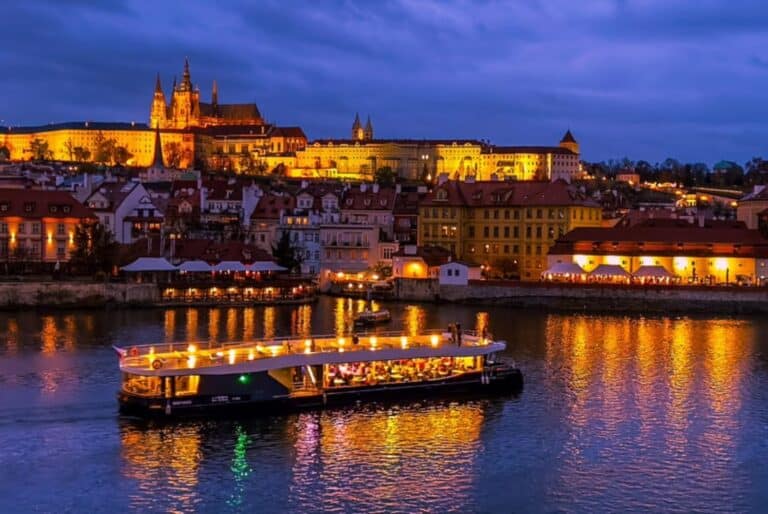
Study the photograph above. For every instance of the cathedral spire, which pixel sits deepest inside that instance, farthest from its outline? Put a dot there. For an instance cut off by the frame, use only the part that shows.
(215, 94)
(157, 159)
(158, 87)
(186, 81)
(368, 132)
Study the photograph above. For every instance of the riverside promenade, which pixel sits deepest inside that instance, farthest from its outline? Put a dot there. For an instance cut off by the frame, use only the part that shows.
(655, 299)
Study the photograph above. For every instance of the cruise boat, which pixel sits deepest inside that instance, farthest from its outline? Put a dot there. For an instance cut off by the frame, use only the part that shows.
(370, 317)
(177, 379)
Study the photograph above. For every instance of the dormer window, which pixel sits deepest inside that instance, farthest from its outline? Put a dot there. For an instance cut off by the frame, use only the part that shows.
(367, 202)
(54, 208)
(349, 202)
(4, 207)
(29, 206)
(442, 194)
(383, 202)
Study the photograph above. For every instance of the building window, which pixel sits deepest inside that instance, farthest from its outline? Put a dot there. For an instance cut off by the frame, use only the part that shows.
(538, 232)
(60, 229)
(60, 251)
(486, 214)
(516, 232)
(506, 214)
(486, 231)
(516, 214)
(506, 248)
(3, 228)
(471, 231)
(528, 231)
(495, 231)
(539, 214)
(22, 227)
(495, 214)
(506, 231)
(35, 227)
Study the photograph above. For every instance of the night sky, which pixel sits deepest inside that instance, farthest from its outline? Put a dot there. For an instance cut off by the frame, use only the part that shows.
(647, 79)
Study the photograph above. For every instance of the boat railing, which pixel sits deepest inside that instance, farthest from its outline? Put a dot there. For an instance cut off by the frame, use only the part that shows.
(213, 353)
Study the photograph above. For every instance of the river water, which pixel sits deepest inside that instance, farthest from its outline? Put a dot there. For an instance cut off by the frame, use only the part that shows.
(619, 414)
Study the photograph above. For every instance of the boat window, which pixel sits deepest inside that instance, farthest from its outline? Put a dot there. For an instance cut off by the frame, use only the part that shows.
(186, 385)
(402, 370)
(141, 385)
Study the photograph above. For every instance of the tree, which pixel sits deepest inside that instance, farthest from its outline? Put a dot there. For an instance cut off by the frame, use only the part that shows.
(246, 162)
(173, 154)
(81, 154)
(121, 155)
(95, 247)
(5, 153)
(69, 148)
(39, 150)
(104, 149)
(286, 253)
(384, 176)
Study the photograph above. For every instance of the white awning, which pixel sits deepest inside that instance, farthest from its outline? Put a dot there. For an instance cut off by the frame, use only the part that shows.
(196, 266)
(233, 266)
(609, 270)
(266, 266)
(652, 272)
(565, 268)
(148, 264)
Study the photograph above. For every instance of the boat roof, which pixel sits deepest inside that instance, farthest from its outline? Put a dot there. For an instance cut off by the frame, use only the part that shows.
(178, 359)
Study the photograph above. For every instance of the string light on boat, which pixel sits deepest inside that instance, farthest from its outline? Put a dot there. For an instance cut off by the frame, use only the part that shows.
(374, 341)
(251, 355)
(404, 342)
(191, 348)
(274, 350)
(341, 342)
(307, 346)
(434, 339)
(232, 356)
(191, 361)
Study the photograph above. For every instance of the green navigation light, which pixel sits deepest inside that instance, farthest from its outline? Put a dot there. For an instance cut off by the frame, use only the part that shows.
(244, 379)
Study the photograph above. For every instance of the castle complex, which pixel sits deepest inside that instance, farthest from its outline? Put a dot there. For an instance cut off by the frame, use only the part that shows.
(236, 137)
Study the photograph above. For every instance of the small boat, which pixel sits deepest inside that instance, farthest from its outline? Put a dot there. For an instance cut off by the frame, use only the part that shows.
(369, 317)
(179, 379)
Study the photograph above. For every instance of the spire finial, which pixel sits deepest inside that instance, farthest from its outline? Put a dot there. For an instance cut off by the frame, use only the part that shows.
(158, 87)
(185, 80)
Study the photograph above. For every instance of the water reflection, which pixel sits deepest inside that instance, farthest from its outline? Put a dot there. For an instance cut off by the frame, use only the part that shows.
(367, 458)
(643, 388)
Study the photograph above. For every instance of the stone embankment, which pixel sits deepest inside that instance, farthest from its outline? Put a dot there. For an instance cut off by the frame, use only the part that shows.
(16, 295)
(591, 297)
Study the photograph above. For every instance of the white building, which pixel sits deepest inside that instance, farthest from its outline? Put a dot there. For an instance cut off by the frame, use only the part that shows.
(459, 273)
(126, 209)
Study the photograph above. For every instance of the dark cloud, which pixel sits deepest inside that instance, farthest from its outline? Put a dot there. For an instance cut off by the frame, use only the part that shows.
(642, 78)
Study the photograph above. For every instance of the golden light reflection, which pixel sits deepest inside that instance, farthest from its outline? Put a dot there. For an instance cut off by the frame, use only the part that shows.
(339, 317)
(414, 319)
(481, 322)
(301, 321)
(192, 324)
(381, 443)
(169, 325)
(232, 324)
(12, 336)
(269, 322)
(168, 456)
(214, 318)
(48, 335)
(248, 324)
(70, 333)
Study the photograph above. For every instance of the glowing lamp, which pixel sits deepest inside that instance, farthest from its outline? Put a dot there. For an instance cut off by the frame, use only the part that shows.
(191, 361)
(232, 355)
(341, 343)
(434, 339)
(191, 348)
(721, 264)
(307, 346)
(373, 342)
(404, 342)
(274, 351)
(251, 356)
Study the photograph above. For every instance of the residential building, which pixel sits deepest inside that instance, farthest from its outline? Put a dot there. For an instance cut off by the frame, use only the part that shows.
(459, 273)
(506, 226)
(126, 209)
(39, 225)
(753, 206)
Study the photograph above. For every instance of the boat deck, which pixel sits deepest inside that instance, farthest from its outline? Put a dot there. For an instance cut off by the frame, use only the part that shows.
(176, 357)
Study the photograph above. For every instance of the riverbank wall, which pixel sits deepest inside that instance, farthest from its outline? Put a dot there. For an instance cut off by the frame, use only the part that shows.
(590, 297)
(19, 295)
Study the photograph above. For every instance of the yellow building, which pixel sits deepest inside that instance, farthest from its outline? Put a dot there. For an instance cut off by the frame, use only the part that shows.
(710, 252)
(359, 158)
(506, 226)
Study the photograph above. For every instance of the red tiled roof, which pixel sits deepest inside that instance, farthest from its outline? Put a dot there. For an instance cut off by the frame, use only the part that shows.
(383, 199)
(270, 206)
(27, 203)
(222, 190)
(432, 255)
(114, 192)
(496, 193)
(670, 231)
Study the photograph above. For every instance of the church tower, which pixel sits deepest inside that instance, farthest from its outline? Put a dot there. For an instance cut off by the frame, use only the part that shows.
(569, 142)
(185, 107)
(158, 113)
(368, 131)
(357, 129)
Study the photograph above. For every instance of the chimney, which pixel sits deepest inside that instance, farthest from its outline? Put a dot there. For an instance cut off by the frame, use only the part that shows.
(363, 187)
(701, 219)
(442, 179)
(398, 188)
(304, 184)
(375, 188)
